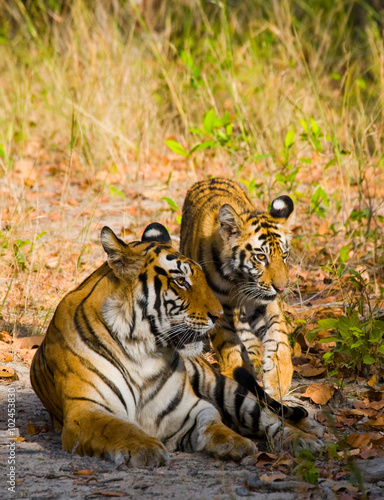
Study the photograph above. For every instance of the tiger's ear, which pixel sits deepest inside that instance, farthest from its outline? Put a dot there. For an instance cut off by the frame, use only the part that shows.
(230, 222)
(156, 232)
(121, 258)
(282, 208)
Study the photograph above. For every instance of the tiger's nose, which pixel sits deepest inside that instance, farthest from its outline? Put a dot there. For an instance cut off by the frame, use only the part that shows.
(279, 289)
(214, 317)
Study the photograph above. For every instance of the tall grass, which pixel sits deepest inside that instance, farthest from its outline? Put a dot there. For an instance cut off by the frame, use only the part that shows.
(99, 86)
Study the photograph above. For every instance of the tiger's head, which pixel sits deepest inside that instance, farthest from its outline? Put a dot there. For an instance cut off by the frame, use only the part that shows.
(255, 249)
(162, 298)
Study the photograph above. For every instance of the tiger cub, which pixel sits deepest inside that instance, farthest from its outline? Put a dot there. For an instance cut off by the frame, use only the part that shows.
(244, 255)
(118, 369)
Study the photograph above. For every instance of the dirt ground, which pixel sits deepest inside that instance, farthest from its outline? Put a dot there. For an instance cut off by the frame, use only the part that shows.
(56, 245)
(43, 471)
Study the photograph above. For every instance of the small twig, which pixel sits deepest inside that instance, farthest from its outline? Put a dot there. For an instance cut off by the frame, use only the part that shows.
(101, 124)
(313, 296)
(316, 306)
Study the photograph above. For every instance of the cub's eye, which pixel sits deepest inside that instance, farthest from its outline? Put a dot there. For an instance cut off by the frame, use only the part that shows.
(285, 255)
(182, 283)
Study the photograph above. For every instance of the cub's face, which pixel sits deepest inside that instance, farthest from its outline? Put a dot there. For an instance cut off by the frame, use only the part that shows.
(256, 249)
(175, 300)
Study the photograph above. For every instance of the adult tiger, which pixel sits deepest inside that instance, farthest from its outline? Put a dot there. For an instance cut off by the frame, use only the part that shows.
(244, 255)
(113, 370)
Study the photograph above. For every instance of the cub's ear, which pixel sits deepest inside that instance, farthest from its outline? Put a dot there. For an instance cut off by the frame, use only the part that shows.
(156, 232)
(121, 258)
(230, 222)
(282, 208)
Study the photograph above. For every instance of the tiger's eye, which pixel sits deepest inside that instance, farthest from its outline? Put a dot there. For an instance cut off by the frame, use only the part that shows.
(285, 255)
(182, 283)
(260, 256)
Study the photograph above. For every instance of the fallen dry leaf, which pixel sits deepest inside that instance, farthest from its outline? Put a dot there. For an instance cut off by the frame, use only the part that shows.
(263, 458)
(32, 429)
(377, 423)
(319, 393)
(309, 370)
(377, 405)
(260, 459)
(373, 380)
(297, 349)
(299, 360)
(359, 412)
(26, 354)
(284, 460)
(371, 453)
(5, 337)
(321, 418)
(8, 372)
(345, 486)
(357, 440)
(6, 357)
(126, 232)
(85, 472)
(276, 476)
(372, 394)
(4, 346)
(73, 202)
(339, 475)
(19, 438)
(349, 453)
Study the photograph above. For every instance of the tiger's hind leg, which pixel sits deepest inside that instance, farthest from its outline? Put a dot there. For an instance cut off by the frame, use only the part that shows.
(90, 430)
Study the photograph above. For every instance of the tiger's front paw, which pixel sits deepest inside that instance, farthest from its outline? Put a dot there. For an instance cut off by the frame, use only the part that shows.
(110, 437)
(145, 453)
(311, 426)
(306, 441)
(293, 439)
(226, 444)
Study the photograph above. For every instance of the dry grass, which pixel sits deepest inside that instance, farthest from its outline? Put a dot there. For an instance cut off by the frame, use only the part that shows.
(89, 96)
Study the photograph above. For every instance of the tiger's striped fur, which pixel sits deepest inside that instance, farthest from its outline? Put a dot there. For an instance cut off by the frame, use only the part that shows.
(243, 253)
(118, 371)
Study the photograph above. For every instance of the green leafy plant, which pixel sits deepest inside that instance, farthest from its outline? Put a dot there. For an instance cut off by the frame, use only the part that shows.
(215, 130)
(194, 69)
(115, 191)
(306, 468)
(21, 256)
(252, 186)
(174, 207)
(287, 179)
(287, 175)
(312, 133)
(319, 202)
(359, 339)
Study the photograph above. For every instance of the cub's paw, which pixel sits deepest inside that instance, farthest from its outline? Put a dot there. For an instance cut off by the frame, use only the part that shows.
(226, 444)
(144, 453)
(278, 382)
